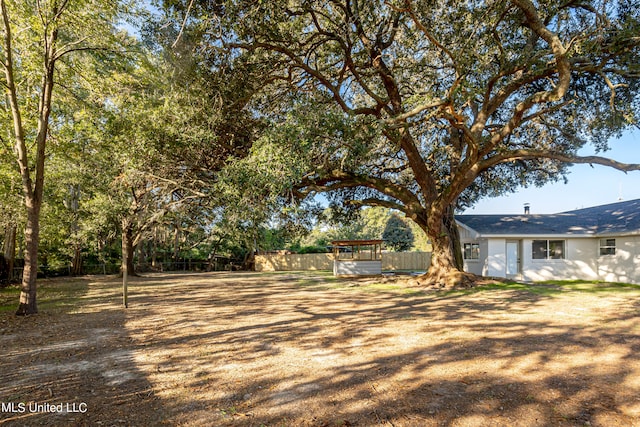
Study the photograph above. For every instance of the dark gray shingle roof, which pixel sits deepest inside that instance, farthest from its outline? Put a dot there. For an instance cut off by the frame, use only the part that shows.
(615, 218)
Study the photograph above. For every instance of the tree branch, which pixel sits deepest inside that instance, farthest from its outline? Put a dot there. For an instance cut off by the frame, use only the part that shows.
(432, 39)
(184, 23)
(339, 179)
(538, 154)
(379, 202)
(12, 93)
(297, 63)
(400, 118)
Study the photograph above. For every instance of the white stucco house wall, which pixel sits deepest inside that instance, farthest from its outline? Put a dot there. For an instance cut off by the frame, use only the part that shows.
(598, 243)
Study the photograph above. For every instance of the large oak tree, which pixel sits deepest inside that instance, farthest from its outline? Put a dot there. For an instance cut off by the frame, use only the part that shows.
(434, 104)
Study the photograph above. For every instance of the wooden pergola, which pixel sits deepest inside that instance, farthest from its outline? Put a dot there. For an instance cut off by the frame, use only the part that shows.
(363, 257)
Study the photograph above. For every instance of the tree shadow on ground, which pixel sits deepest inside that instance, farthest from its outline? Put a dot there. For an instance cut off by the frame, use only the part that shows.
(73, 363)
(242, 349)
(294, 350)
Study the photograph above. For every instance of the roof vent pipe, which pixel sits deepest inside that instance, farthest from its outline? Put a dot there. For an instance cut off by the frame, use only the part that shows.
(527, 208)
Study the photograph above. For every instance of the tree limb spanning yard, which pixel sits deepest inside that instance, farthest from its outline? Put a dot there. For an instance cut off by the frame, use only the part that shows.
(425, 107)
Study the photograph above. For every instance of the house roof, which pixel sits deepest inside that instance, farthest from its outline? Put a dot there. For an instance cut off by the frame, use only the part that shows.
(613, 219)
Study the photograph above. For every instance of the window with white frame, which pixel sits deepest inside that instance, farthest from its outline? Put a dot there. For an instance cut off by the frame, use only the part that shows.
(471, 251)
(607, 246)
(548, 249)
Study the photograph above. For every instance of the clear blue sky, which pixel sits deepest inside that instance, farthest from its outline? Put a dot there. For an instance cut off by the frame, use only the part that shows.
(587, 186)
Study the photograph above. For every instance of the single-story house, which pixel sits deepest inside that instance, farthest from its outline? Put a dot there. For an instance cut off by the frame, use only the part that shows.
(598, 243)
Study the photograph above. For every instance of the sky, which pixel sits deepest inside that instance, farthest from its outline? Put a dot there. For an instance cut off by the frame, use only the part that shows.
(586, 187)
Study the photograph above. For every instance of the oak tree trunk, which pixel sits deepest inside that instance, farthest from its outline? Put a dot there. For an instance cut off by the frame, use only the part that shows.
(446, 268)
(454, 236)
(212, 265)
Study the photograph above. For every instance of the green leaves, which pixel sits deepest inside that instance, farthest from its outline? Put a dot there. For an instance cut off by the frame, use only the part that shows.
(397, 234)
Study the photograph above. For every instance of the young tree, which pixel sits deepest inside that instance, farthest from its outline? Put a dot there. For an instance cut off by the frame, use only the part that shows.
(39, 41)
(11, 215)
(422, 106)
(397, 234)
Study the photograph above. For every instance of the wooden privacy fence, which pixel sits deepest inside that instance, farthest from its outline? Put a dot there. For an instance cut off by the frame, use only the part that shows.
(302, 262)
(294, 262)
(406, 260)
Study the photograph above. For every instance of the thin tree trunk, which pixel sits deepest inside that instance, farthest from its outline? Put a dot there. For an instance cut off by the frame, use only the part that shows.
(10, 248)
(212, 255)
(128, 248)
(154, 249)
(127, 259)
(28, 304)
(176, 246)
(73, 204)
(211, 261)
(139, 254)
(76, 262)
(125, 273)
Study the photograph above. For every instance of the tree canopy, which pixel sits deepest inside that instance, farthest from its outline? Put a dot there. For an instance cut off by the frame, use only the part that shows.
(397, 234)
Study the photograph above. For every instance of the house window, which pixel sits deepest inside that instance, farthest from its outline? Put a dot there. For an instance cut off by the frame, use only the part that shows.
(548, 249)
(607, 246)
(471, 251)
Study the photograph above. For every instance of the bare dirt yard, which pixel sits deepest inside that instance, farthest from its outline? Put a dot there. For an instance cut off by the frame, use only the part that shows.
(302, 349)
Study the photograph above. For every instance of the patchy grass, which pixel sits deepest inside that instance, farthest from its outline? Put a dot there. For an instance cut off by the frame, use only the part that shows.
(391, 284)
(556, 287)
(505, 286)
(52, 294)
(398, 284)
(9, 298)
(593, 286)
